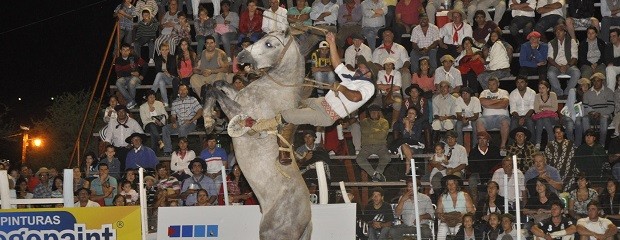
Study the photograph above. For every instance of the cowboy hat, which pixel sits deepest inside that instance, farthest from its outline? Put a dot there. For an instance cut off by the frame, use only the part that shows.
(371, 66)
(527, 133)
(42, 170)
(416, 86)
(456, 10)
(141, 135)
(389, 60)
(447, 57)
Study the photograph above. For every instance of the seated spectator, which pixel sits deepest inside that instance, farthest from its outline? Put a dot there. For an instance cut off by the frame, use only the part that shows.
(324, 15)
(89, 165)
(153, 115)
(322, 70)
(166, 67)
(467, 230)
(556, 226)
(580, 15)
(378, 214)
(140, 156)
(424, 41)
(141, 5)
(533, 57)
(179, 160)
(538, 206)
(146, 32)
(591, 59)
(443, 108)
(194, 183)
(307, 156)
(389, 83)
(610, 200)
(482, 6)
(453, 33)
(580, 197)
(435, 6)
(169, 183)
(559, 153)
(183, 115)
(437, 164)
(482, 28)
(522, 19)
(522, 147)
(299, 18)
(491, 204)
(204, 26)
(498, 177)
(598, 105)
(451, 206)
(239, 190)
(545, 108)
(186, 60)
(447, 72)
(227, 25)
(424, 79)
(44, 188)
(541, 170)
(590, 158)
(407, 16)
(168, 23)
(421, 104)
(571, 118)
(215, 157)
(456, 159)
(128, 73)
(594, 226)
(408, 136)
(498, 55)
(78, 179)
(551, 14)
(374, 133)
(274, 18)
(131, 176)
(250, 22)
(493, 229)
(522, 105)
(494, 101)
(212, 66)
(104, 187)
(391, 49)
(202, 198)
(610, 18)
(83, 197)
(562, 62)
(470, 63)
(612, 58)
(373, 19)
(484, 158)
(350, 25)
(114, 165)
(405, 209)
(357, 49)
(508, 221)
(129, 193)
(119, 201)
(467, 109)
(57, 188)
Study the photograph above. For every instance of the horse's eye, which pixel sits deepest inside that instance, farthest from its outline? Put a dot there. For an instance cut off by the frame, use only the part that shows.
(268, 44)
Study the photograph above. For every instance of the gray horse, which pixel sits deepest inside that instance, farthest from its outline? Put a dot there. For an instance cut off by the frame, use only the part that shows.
(281, 191)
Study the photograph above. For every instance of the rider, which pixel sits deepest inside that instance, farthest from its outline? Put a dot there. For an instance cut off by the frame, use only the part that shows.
(356, 88)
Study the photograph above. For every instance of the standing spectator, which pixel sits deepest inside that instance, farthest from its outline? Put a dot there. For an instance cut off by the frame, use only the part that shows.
(114, 165)
(470, 63)
(598, 105)
(522, 19)
(142, 5)
(551, 14)
(350, 25)
(140, 156)
(227, 25)
(595, 227)
(179, 160)
(443, 108)
(562, 61)
(591, 58)
(447, 72)
(374, 132)
(168, 22)
(559, 153)
(498, 177)
(533, 57)
(215, 157)
(153, 115)
(184, 113)
(378, 215)
(166, 67)
(609, 12)
(424, 41)
(482, 27)
(104, 187)
(122, 128)
(405, 209)
(498, 55)
(204, 26)
(373, 19)
(389, 82)
(322, 68)
(250, 22)
(146, 32)
(495, 103)
(467, 108)
(580, 15)
(124, 13)
(194, 183)
(357, 49)
(274, 18)
(612, 57)
(212, 66)
(389, 48)
(522, 105)
(545, 108)
(452, 34)
(407, 17)
(128, 73)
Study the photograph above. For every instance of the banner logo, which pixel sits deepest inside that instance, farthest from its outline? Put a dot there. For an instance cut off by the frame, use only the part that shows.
(184, 231)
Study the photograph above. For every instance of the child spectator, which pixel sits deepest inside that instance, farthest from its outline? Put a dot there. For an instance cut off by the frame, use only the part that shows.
(146, 32)
(439, 158)
(129, 193)
(204, 26)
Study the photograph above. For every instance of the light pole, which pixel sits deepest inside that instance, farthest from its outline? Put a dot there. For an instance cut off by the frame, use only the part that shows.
(37, 142)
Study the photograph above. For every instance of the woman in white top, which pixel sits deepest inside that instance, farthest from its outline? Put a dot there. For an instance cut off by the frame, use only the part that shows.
(451, 207)
(179, 160)
(109, 114)
(153, 115)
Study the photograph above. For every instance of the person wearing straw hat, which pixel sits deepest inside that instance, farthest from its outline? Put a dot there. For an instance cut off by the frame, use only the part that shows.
(322, 67)
(447, 72)
(533, 57)
(453, 33)
(598, 106)
(357, 49)
(44, 188)
(389, 83)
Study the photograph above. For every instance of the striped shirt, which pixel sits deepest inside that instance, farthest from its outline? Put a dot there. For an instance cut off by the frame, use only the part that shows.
(141, 5)
(185, 108)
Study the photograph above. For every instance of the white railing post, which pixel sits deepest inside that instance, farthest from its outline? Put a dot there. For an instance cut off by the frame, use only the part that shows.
(67, 187)
(505, 192)
(225, 185)
(322, 179)
(143, 204)
(4, 190)
(517, 197)
(345, 195)
(416, 209)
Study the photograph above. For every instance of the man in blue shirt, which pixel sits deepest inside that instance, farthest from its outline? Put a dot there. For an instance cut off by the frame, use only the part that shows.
(542, 170)
(215, 157)
(140, 155)
(533, 57)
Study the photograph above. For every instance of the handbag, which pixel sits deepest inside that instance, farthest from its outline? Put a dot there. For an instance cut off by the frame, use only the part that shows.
(388, 99)
(545, 114)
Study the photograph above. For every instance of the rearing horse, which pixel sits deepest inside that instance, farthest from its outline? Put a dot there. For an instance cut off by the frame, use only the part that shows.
(281, 191)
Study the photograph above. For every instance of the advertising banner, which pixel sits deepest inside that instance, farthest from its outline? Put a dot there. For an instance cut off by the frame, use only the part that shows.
(330, 221)
(104, 223)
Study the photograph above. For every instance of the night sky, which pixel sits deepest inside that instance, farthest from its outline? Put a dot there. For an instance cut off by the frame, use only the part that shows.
(41, 60)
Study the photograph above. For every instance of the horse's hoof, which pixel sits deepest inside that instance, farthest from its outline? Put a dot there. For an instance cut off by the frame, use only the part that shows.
(236, 126)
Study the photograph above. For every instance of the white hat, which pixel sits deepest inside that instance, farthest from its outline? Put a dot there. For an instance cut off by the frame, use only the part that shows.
(323, 44)
(389, 60)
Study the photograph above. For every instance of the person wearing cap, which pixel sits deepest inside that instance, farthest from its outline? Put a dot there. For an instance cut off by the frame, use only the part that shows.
(146, 32)
(130, 70)
(522, 105)
(533, 57)
(308, 155)
(443, 108)
(594, 226)
(374, 130)
(44, 188)
(556, 226)
(551, 13)
(598, 105)
(447, 72)
(104, 187)
(274, 18)
(562, 62)
(119, 130)
(197, 181)
(467, 108)
(392, 49)
(591, 53)
(373, 19)
(522, 19)
(590, 157)
(389, 82)
(140, 155)
(495, 101)
(322, 68)
(498, 177)
(424, 41)
(349, 23)
(522, 147)
(359, 48)
(453, 33)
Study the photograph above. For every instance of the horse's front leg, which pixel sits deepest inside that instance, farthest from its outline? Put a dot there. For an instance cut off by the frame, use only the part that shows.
(225, 94)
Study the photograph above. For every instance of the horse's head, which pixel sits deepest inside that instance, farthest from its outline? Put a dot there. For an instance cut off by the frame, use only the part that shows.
(270, 51)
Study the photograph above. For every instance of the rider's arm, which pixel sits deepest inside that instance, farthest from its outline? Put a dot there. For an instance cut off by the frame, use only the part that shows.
(333, 50)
